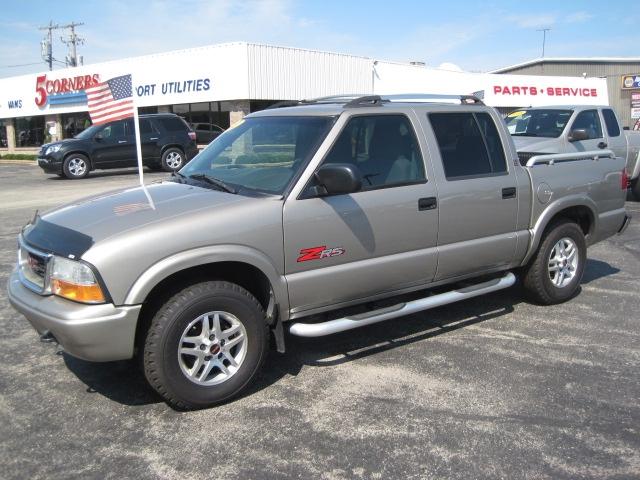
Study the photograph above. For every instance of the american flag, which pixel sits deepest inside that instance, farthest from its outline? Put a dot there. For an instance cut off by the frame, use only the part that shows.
(110, 100)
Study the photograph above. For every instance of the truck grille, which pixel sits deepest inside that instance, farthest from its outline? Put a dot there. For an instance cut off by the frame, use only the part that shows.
(33, 269)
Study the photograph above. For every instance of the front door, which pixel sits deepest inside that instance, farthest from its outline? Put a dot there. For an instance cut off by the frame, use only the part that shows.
(344, 248)
(478, 194)
(113, 146)
(588, 120)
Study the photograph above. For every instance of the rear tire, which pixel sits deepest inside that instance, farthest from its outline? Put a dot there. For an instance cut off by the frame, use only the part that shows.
(178, 350)
(76, 166)
(553, 275)
(173, 159)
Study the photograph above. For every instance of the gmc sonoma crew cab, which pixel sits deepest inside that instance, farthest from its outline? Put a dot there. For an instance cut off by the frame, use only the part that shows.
(384, 205)
(572, 129)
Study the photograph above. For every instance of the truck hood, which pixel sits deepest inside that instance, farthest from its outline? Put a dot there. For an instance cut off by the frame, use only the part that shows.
(537, 144)
(95, 219)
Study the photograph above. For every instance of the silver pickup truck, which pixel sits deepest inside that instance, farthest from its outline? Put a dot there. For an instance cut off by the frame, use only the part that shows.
(310, 220)
(575, 129)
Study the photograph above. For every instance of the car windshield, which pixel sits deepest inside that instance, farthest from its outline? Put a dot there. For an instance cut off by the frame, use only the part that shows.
(88, 133)
(262, 153)
(538, 122)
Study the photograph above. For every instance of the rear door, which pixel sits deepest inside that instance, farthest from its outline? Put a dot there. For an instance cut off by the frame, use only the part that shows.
(150, 141)
(478, 194)
(345, 248)
(616, 140)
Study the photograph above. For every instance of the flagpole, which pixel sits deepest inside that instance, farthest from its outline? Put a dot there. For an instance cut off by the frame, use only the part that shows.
(136, 127)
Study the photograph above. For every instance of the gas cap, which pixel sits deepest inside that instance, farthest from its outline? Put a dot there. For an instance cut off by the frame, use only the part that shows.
(544, 193)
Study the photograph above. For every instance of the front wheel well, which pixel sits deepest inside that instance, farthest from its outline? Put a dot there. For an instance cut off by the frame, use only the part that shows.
(245, 275)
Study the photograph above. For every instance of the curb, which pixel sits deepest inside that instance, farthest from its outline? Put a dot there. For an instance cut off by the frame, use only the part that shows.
(31, 163)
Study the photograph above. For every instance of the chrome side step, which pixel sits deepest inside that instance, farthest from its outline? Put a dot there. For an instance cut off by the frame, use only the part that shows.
(360, 320)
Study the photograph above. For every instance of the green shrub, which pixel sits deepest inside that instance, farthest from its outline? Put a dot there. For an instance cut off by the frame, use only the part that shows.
(18, 156)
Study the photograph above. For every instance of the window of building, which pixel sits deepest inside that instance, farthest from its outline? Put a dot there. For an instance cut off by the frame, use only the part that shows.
(383, 147)
(4, 142)
(74, 123)
(30, 131)
(590, 121)
(469, 144)
(213, 113)
(610, 120)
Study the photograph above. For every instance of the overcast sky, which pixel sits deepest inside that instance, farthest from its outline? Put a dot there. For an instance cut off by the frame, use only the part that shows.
(477, 36)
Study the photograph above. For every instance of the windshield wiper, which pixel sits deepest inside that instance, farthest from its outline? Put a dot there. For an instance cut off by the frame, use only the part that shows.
(212, 181)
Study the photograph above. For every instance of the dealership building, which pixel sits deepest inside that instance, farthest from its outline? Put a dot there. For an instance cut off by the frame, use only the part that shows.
(219, 84)
(621, 74)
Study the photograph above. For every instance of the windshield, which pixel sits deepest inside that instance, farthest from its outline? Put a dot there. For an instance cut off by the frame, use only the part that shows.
(262, 153)
(88, 133)
(538, 122)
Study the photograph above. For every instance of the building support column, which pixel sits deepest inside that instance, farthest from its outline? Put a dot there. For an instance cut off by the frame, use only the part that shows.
(11, 134)
(239, 110)
(59, 132)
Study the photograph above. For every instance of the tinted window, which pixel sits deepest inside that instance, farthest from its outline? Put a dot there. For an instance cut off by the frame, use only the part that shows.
(469, 144)
(172, 124)
(537, 122)
(145, 126)
(610, 120)
(113, 130)
(589, 121)
(383, 147)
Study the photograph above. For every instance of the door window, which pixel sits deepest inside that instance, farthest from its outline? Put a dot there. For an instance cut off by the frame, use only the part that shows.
(113, 131)
(610, 120)
(589, 121)
(383, 147)
(145, 126)
(469, 144)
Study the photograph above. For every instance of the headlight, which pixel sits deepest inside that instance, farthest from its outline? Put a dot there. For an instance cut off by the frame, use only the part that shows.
(52, 149)
(75, 281)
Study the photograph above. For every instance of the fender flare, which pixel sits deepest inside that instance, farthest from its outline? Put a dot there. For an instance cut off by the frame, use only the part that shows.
(162, 269)
(551, 211)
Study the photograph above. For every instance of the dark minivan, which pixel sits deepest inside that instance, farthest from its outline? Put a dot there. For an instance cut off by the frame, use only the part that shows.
(168, 143)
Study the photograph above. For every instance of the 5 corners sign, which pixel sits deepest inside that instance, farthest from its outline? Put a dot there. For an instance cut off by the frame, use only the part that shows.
(63, 90)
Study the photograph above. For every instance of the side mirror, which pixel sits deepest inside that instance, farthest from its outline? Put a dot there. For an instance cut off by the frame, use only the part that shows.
(578, 134)
(337, 179)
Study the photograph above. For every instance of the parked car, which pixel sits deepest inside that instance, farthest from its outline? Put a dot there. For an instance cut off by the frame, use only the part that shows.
(574, 128)
(168, 143)
(368, 205)
(206, 132)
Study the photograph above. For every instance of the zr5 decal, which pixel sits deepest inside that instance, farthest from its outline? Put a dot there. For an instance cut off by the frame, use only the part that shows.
(318, 253)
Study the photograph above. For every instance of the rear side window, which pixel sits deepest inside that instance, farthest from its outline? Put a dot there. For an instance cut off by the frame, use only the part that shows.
(589, 121)
(172, 124)
(610, 120)
(383, 147)
(145, 126)
(469, 144)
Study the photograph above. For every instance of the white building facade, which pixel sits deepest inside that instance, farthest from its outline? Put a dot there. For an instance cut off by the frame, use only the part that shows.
(219, 84)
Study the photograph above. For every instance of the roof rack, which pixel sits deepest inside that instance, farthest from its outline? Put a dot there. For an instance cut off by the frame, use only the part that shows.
(426, 97)
(354, 101)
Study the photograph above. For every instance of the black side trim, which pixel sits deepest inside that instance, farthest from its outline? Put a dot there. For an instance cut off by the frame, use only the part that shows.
(52, 238)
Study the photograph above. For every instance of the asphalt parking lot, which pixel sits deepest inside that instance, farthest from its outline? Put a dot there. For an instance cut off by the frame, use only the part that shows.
(489, 388)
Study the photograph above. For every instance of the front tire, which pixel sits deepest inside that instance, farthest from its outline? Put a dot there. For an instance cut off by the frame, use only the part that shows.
(76, 166)
(173, 159)
(205, 345)
(553, 275)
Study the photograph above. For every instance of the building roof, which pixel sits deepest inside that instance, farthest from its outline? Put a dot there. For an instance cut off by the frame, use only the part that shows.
(538, 61)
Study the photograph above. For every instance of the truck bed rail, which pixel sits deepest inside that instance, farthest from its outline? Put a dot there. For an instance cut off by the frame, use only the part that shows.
(552, 158)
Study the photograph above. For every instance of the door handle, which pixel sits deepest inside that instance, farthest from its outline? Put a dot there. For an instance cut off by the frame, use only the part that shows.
(122, 141)
(602, 145)
(429, 203)
(153, 138)
(509, 192)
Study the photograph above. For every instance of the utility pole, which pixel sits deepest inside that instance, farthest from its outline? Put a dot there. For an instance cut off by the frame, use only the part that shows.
(544, 38)
(47, 44)
(72, 41)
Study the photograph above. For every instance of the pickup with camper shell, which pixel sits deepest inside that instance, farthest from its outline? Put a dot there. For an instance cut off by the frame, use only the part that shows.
(309, 220)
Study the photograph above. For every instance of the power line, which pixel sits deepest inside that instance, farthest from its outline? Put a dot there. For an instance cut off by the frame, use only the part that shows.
(544, 37)
(20, 65)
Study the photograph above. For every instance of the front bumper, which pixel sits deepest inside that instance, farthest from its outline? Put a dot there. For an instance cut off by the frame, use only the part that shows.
(50, 163)
(98, 333)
